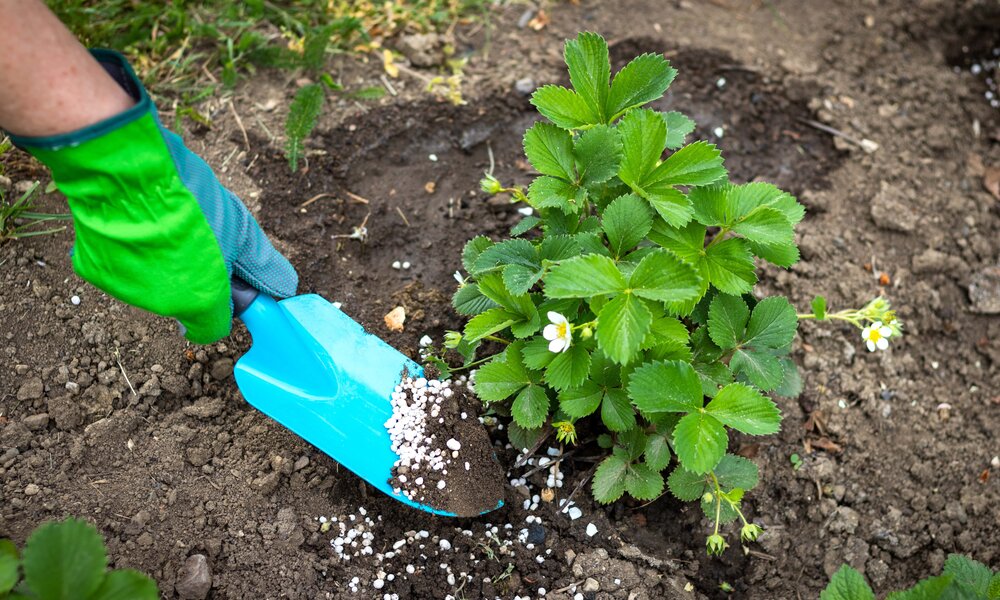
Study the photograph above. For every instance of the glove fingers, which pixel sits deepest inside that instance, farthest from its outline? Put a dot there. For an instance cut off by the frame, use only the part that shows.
(255, 259)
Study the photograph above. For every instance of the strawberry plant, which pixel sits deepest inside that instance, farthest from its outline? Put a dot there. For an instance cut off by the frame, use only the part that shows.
(66, 560)
(962, 578)
(626, 298)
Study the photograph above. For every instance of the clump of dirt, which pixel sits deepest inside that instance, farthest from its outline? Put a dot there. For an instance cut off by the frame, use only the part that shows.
(446, 459)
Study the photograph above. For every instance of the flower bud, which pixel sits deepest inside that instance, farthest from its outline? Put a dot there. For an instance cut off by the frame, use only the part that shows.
(586, 332)
(490, 184)
(750, 532)
(716, 545)
(708, 497)
(452, 339)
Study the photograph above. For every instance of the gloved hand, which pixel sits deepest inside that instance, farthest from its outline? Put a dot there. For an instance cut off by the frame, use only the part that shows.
(154, 227)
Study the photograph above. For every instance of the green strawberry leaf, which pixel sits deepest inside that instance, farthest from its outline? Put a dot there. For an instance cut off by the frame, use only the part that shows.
(64, 560)
(736, 472)
(621, 326)
(699, 163)
(584, 277)
(616, 412)
(550, 150)
(488, 322)
(760, 367)
(590, 71)
(663, 277)
(678, 128)
(598, 152)
(126, 584)
(531, 406)
(609, 479)
(552, 192)
(582, 401)
(657, 451)
(700, 442)
(669, 386)
(745, 409)
(643, 482)
(564, 107)
(473, 248)
(469, 301)
(727, 319)
(503, 376)
(626, 221)
(687, 486)
(642, 80)
(569, 369)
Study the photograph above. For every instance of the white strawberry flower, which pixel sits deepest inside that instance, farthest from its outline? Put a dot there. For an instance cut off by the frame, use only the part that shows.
(558, 332)
(877, 336)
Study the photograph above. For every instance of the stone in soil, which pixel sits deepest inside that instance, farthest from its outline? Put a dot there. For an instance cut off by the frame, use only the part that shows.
(446, 460)
(195, 578)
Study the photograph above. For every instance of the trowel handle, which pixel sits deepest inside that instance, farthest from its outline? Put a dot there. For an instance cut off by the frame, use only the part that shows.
(243, 295)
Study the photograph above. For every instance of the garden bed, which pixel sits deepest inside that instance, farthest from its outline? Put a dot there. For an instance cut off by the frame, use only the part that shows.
(889, 481)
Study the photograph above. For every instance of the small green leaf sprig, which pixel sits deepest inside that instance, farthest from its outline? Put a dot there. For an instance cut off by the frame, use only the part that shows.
(66, 560)
(625, 300)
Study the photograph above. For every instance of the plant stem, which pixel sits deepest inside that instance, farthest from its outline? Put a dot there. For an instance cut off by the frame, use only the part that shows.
(494, 338)
(718, 237)
(718, 502)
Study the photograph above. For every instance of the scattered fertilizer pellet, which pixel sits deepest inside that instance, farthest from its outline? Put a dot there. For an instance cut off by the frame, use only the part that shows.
(432, 157)
(591, 530)
(75, 300)
(426, 341)
(526, 211)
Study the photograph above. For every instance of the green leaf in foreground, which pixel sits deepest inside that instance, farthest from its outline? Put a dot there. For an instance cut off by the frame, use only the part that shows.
(626, 222)
(700, 442)
(64, 560)
(621, 326)
(847, 584)
(609, 479)
(9, 565)
(126, 584)
(745, 409)
(583, 277)
(642, 80)
(643, 482)
(671, 386)
(970, 573)
(502, 377)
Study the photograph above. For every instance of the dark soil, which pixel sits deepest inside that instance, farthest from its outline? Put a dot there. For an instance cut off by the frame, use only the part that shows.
(889, 483)
(473, 479)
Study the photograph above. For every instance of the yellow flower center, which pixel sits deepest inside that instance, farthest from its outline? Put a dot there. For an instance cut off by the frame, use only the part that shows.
(562, 329)
(874, 335)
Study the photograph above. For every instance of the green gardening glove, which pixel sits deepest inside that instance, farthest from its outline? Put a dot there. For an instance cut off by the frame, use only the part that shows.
(154, 227)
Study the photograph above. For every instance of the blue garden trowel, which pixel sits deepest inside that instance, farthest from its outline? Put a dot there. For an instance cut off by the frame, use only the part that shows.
(320, 374)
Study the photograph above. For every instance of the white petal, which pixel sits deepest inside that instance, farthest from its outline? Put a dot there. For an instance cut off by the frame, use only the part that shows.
(568, 340)
(871, 345)
(550, 332)
(866, 332)
(885, 331)
(557, 318)
(557, 345)
(876, 324)
(882, 343)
